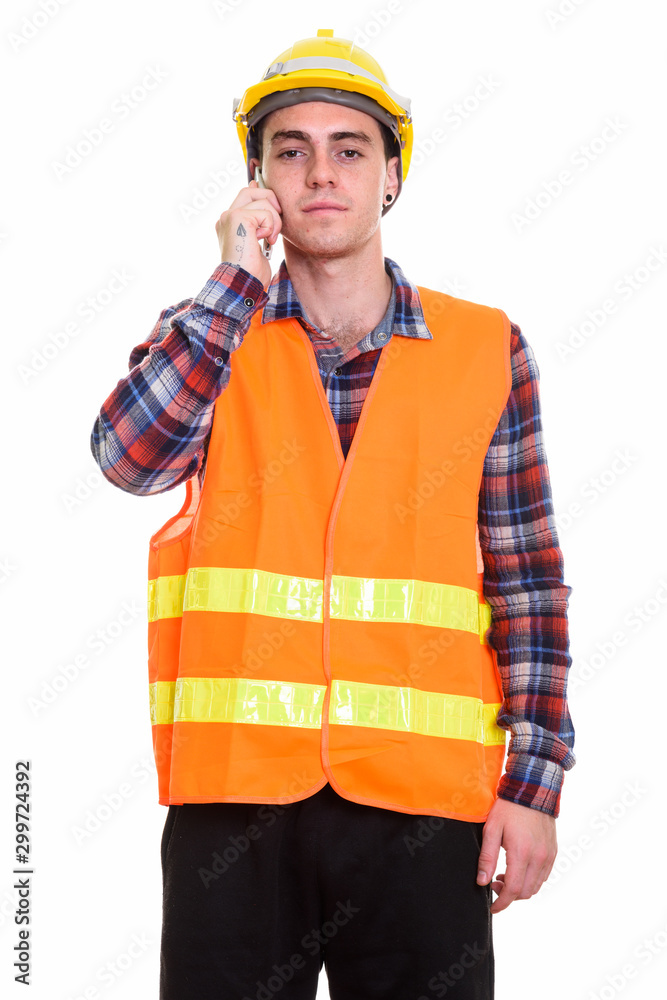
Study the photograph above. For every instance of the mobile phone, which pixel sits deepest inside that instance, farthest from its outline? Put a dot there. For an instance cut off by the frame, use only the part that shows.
(266, 246)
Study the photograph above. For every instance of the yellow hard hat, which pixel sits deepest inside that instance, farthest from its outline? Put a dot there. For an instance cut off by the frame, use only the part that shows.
(329, 69)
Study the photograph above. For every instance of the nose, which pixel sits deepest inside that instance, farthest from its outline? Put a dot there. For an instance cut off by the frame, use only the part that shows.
(321, 169)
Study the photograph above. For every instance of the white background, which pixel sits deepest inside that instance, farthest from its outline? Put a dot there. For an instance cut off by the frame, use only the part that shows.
(74, 549)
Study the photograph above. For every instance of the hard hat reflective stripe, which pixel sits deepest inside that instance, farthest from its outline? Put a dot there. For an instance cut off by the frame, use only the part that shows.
(280, 703)
(225, 589)
(340, 66)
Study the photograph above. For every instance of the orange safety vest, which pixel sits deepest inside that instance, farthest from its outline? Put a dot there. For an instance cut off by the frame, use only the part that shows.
(317, 619)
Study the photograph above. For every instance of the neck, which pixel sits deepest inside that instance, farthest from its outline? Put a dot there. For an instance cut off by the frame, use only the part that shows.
(345, 297)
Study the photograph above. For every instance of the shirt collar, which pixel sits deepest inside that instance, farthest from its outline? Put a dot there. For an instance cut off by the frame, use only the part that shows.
(408, 318)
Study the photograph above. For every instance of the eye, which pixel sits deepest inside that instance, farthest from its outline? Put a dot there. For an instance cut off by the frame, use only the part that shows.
(355, 152)
(288, 152)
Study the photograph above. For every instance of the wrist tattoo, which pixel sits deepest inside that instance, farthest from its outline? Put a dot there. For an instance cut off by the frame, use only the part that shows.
(240, 247)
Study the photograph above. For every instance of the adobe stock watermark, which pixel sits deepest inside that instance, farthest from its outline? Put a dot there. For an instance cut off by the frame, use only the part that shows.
(453, 117)
(426, 827)
(453, 285)
(82, 489)
(595, 488)
(434, 479)
(634, 621)
(121, 109)
(643, 954)
(363, 34)
(623, 290)
(8, 907)
(7, 569)
(255, 659)
(110, 803)
(579, 162)
(32, 24)
(208, 190)
(312, 942)
(599, 826)
(226, 514)
(117, 967)
(97, 642)
(236, 846)
(86, 311)
(224, 7)
(440, 984)
(562, 12)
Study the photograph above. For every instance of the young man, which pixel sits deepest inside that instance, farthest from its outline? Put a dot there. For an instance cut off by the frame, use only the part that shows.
(363, 591)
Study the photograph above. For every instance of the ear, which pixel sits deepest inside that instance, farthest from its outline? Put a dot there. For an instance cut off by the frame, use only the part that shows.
(254, 163)
(391, 180)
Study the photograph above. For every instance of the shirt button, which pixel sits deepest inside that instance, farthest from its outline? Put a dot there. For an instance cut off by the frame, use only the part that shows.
(382, 336)
(219, 362)
(338, 371)
(248, 302)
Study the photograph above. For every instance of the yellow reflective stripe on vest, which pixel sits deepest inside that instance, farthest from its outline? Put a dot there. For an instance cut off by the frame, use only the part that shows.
(410, 710)
(484, 619)
(223, 589)
(165, 597)
(236, 699)
(438, 604)
(280, 703)
(161, 702)
(253, 590)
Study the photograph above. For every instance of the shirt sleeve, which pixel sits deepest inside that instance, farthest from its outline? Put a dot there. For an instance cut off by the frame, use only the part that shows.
(152, 432)
(523, 583)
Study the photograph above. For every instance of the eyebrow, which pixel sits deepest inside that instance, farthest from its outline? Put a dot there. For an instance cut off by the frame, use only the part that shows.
(333, 136)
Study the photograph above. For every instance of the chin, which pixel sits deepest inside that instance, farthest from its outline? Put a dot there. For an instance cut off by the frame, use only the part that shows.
(319, 245)
(327, 244)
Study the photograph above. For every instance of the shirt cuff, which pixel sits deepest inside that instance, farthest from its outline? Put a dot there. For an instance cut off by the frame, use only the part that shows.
(532, 781)
(232, 291)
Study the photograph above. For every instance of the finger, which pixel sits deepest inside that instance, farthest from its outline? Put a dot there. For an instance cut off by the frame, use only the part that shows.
(260, 216)
(536, 878)
(488, 855)
(270, 226)
(540, 863)
(268, 205)
(549, 863)
(511, 883)
(251, 194)
(270, 195)
(521, 881)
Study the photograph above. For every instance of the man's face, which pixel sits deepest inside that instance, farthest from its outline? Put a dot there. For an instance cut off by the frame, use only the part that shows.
(326, 165)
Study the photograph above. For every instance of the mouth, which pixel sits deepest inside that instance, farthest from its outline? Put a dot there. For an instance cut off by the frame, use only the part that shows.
(324, 206)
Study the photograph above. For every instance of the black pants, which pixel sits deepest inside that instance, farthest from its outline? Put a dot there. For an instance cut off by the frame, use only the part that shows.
(258, 897)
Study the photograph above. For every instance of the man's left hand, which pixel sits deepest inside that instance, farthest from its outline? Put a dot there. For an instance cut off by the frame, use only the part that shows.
(529, 839)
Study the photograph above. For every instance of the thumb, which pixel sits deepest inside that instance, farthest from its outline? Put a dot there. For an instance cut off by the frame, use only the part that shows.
(488, 855)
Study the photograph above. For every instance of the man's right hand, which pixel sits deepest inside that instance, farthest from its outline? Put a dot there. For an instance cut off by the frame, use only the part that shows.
(254, 215)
